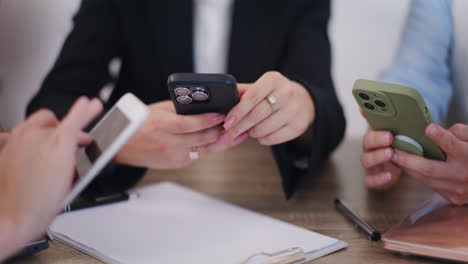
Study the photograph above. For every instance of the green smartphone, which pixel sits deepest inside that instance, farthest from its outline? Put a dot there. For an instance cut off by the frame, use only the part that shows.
(400, 110)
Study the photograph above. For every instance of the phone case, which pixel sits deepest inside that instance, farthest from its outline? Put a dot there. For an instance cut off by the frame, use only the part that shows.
(400, 110)
(195, 93)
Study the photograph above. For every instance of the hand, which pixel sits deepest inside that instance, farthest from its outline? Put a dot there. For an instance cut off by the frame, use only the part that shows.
(272, 123)
(3, 140)
(37, 166)
(165, 140)
(449, 178)
(376, 158)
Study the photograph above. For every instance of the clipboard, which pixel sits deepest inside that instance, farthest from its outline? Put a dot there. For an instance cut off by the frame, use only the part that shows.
(168, 223)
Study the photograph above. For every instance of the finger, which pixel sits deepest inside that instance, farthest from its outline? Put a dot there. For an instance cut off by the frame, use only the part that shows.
(377, 157)
(447, 141)
(84, 139)
(41, 118)
(225, 142)
(3, 139)
(448, 188)
(362, 112)
(429, 168)
(260, 112)
(81, 114)
(252, 97)
(196, 139)
(281, 135)
(185, 124)
(458, 199)
(460, 131)
(242, 88)
(380, 181)
(270, 124)
(377, 139)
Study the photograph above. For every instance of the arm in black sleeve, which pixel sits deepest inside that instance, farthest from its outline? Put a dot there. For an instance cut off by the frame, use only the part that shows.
(307, 60)
(82, 69)
(82, 65)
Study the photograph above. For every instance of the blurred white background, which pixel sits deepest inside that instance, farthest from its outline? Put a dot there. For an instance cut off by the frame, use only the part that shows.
(364, 36)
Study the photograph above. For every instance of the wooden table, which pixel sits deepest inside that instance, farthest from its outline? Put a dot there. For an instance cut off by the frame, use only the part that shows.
(247, 176)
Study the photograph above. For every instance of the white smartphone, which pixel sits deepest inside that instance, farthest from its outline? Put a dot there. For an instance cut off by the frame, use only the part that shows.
(110, 134)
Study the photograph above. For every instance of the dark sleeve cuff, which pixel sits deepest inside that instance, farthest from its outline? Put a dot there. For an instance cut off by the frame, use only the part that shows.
(327, 132)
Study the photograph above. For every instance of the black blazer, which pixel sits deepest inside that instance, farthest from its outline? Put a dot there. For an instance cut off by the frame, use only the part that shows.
(154, 38)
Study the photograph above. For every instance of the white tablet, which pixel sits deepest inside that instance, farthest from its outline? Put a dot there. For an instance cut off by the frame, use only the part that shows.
(110, 134)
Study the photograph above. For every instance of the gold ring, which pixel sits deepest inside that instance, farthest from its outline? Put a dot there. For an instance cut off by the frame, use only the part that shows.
(271, 101)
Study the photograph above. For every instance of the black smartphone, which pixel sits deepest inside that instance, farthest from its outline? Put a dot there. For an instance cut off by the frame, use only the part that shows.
(199, 93)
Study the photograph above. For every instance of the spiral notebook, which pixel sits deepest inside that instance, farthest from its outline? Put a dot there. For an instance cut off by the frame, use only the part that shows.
(169, 223)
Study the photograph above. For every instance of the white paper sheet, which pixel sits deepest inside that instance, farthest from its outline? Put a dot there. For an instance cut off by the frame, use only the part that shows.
(169, 223)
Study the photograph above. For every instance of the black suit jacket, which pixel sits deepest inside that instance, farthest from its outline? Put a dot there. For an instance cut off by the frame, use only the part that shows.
(154, 38)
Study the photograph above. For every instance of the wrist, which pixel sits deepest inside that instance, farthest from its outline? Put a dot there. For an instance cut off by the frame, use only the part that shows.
(309, 106)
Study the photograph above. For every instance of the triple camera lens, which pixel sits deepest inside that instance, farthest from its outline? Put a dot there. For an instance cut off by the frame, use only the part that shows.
(364, 96)
(186, 96)
(380, 103)
(370, 106)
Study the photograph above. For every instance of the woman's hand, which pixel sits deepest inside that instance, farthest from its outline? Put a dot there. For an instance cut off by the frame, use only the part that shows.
(376, 158)
(166, 139)
(273, 110)
(37, 165)
(450, 177)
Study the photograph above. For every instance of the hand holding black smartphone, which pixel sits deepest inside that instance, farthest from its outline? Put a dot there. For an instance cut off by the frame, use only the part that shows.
(199, 93)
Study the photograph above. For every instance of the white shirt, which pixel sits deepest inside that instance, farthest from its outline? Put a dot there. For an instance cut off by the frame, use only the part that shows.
(212, 30)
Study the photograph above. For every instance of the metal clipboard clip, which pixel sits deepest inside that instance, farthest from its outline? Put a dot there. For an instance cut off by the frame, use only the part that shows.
(287, 256)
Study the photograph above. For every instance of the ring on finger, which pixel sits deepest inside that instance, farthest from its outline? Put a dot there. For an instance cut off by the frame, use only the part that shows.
(271, 100)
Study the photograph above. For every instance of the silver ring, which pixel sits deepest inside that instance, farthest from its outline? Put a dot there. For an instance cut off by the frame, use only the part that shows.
(194, 155)
(271, 101)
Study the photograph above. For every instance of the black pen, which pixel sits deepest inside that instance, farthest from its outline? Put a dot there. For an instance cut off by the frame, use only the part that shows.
(83, 204)
(357, 220)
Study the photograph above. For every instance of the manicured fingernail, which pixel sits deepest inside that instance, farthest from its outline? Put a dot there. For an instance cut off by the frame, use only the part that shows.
(217, 118)
(223, 139)
(241, 138)
(389, 139)
(386, 178)
(432, 131)
(388, 153)
(229, 122)
(395, 156)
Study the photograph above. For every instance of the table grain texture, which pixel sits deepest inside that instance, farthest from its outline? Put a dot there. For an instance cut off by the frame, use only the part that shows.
(247, 176)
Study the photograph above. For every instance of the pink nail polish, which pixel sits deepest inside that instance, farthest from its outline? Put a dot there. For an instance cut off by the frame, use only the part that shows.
(229, 122)
(395, 156)
(223, 139)
(241, 138)
(217, 118)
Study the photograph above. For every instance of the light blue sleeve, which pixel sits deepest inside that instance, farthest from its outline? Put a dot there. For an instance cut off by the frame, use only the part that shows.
(423, 58)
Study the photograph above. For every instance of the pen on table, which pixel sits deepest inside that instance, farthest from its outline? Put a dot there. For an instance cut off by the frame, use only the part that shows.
(357, 220)
(83, 204)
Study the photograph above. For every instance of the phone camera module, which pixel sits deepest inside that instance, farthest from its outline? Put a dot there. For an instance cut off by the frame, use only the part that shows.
(183, 99)
(200, 96)
(364, 96)
(182, 91)
(369, 106)
(380, 103)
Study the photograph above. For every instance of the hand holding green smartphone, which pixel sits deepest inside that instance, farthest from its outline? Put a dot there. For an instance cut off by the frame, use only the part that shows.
(400, 110)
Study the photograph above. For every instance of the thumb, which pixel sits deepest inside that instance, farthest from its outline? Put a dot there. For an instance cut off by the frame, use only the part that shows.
(447, 141)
